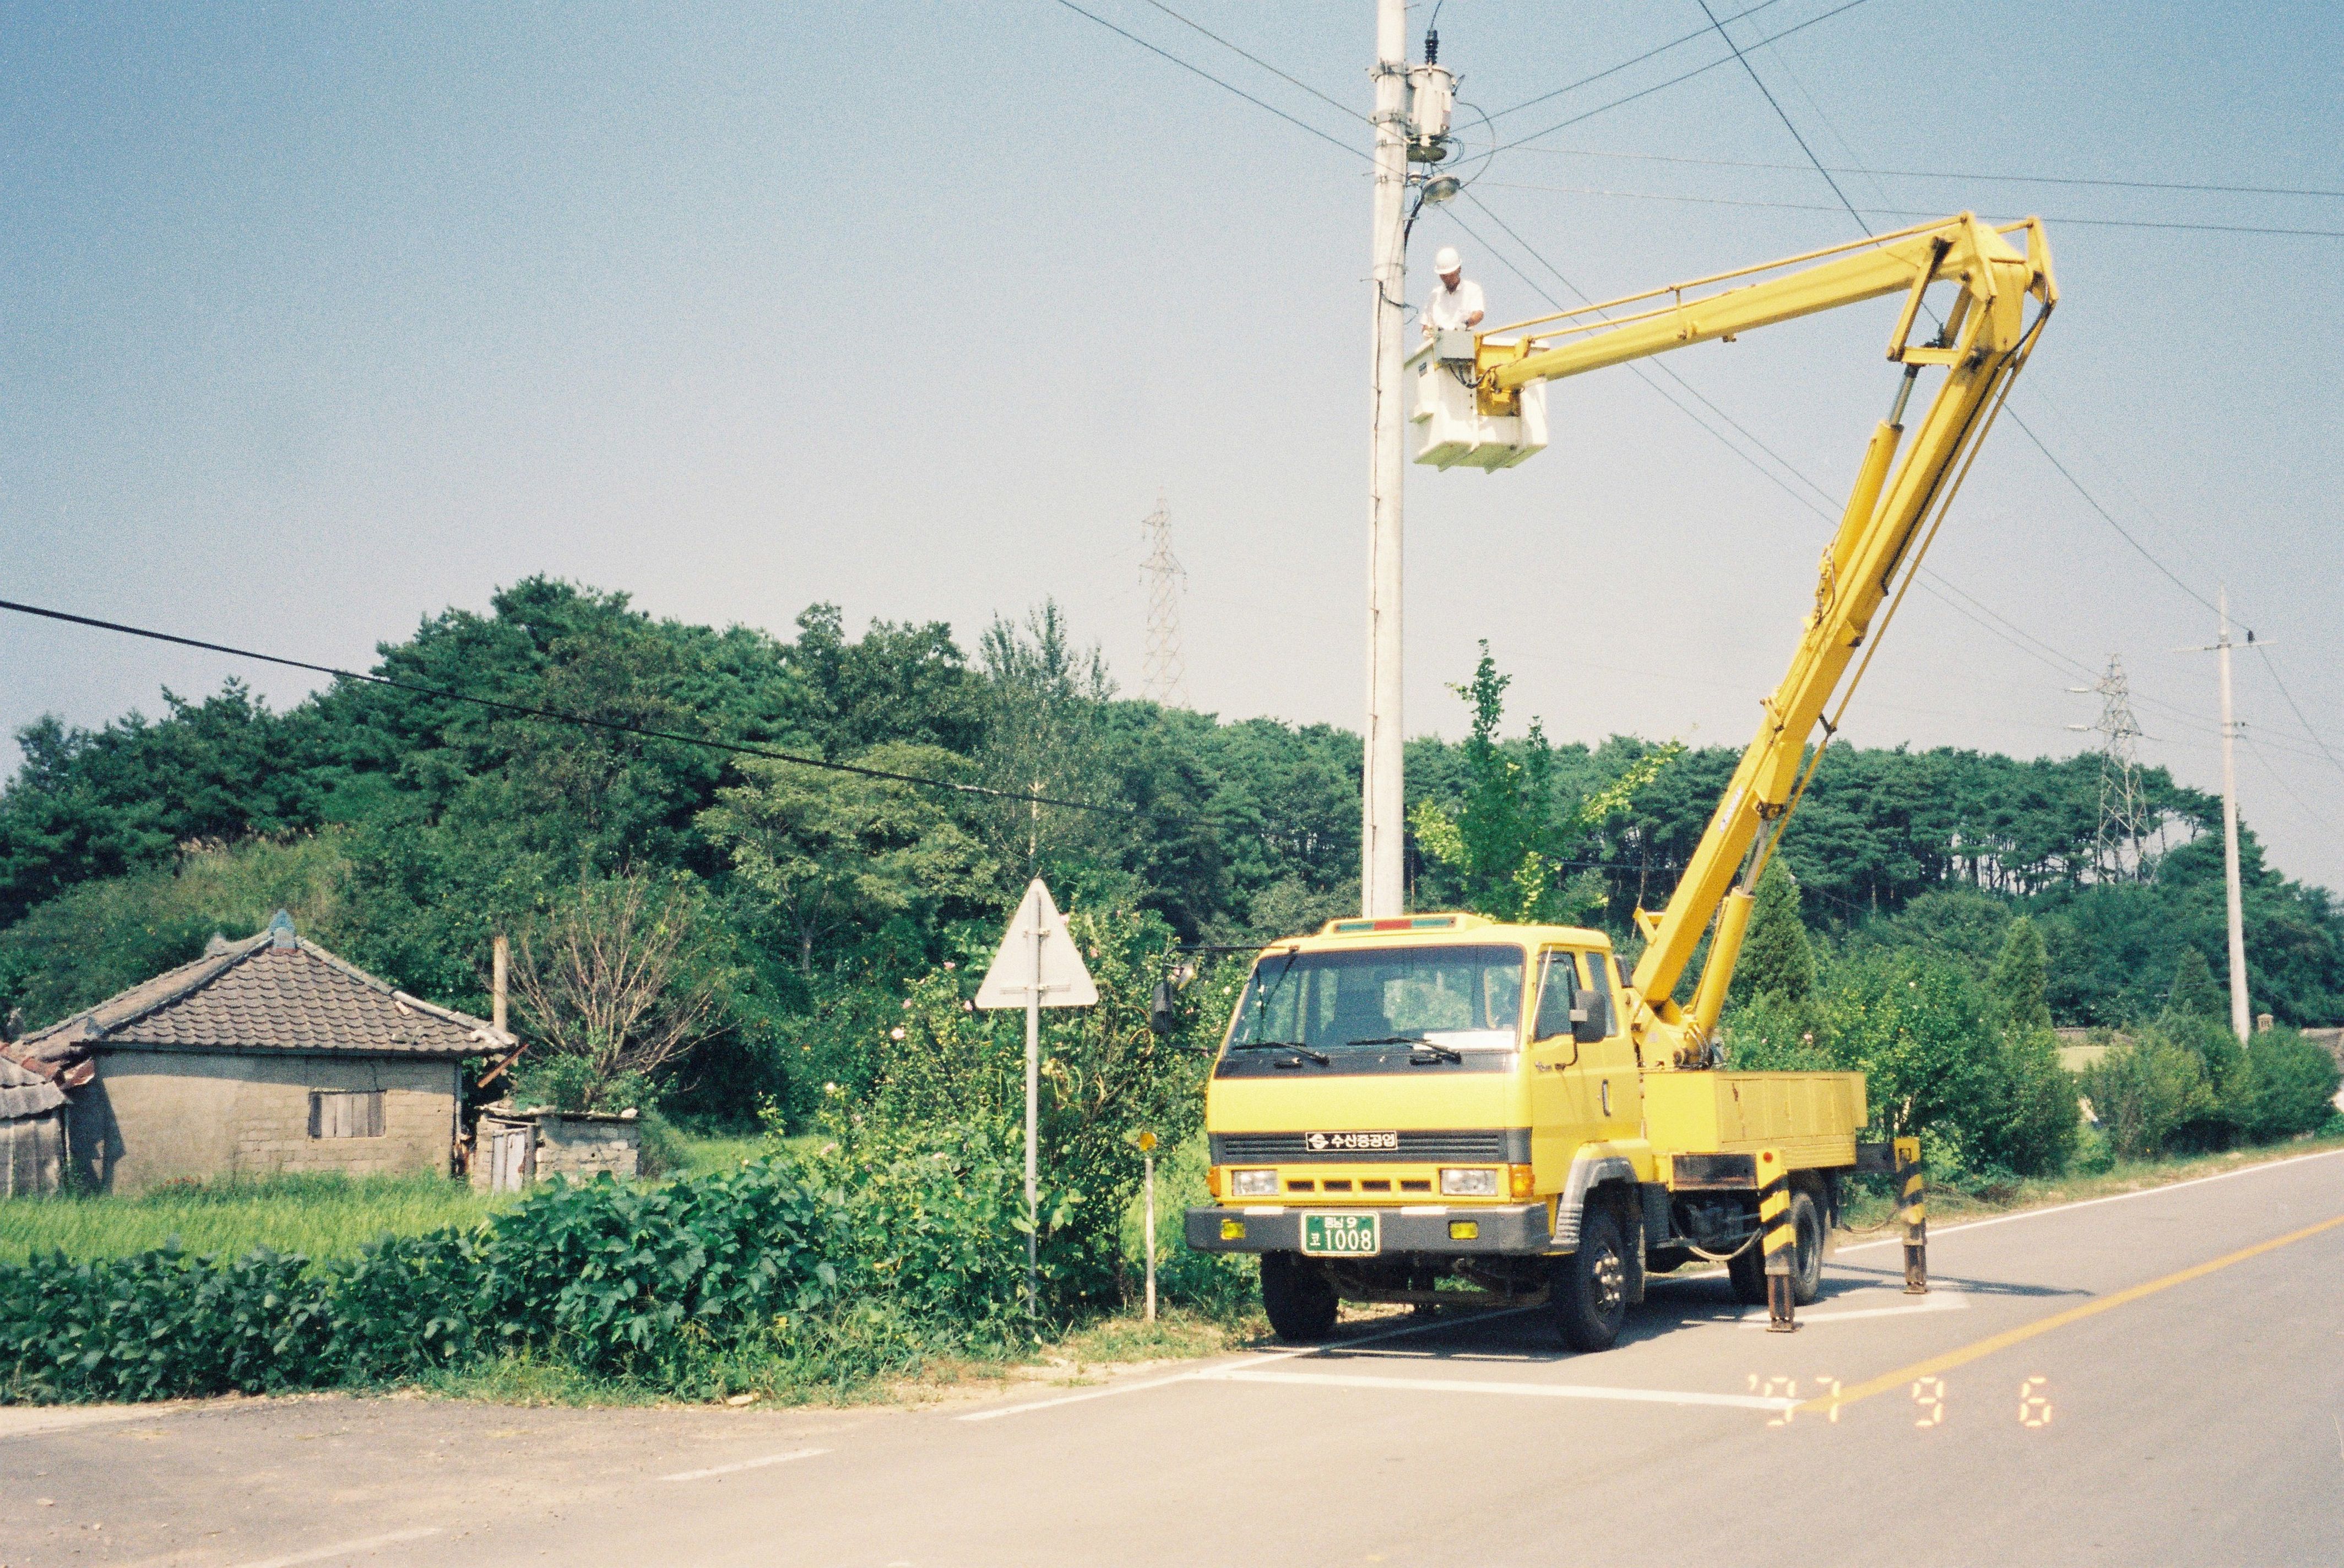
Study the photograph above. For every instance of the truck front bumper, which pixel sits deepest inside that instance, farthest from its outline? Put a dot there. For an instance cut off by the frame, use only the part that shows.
(1524, 1230)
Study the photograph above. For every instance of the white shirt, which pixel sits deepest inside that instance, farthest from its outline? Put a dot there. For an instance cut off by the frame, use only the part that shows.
(1449, 308)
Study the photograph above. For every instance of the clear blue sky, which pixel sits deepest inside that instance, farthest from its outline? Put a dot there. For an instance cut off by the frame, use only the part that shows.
(317, 320)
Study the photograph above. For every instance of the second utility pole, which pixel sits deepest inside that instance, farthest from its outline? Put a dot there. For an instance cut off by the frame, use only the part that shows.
(2242, 1022)
(1382, 814)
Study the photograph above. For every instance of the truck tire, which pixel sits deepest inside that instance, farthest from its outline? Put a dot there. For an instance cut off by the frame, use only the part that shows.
(1748, 1269)
(1807, 1255)
(1590, 1285)
(1297, 1297)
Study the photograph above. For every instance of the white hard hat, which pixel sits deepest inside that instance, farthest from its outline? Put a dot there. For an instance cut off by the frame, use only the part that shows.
(1447, 260)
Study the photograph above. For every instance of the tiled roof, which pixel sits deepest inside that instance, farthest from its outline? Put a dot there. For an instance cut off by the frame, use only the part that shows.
(24, 1092)
(274, 992)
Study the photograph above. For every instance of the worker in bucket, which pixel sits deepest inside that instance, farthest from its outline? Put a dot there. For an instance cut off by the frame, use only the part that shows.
(1456, 305)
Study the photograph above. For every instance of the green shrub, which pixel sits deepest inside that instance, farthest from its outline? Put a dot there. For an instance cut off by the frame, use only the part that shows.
(837, 1266)
(2286, 1087)
(2146, 1091)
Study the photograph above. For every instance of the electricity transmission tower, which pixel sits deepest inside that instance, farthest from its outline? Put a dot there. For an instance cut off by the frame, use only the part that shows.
(1164, 678)
(2124, 809)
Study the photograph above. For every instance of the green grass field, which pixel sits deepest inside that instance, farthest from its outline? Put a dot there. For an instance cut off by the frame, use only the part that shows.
(317, 1215)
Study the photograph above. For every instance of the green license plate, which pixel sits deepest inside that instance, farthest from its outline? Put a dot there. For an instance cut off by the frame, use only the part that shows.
(1342, 1235)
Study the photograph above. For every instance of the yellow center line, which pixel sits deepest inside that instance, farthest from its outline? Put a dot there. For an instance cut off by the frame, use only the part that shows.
(2003, 1341)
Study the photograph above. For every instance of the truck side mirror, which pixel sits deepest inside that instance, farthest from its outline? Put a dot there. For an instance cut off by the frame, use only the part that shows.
(1589, 1022)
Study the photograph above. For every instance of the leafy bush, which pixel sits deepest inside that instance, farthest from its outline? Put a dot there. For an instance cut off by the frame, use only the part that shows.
(833, 1267)
(2286, 1087)
(2145, 1090)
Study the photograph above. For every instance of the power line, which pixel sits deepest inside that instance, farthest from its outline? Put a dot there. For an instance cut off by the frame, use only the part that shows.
(1760, 83)
(1673, 81)
(2106, 515)
(2264, 650)
(1257, 60)
(1022, 798)
(1933, 173)
(1230, 87)
(2176, 226)
(1615, 70)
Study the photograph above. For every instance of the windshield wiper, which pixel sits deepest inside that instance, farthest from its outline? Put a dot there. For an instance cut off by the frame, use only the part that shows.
(1435, 1052)
(1297, 1046)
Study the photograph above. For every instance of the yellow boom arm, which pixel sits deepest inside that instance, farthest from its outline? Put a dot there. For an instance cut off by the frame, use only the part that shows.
(1886, 528)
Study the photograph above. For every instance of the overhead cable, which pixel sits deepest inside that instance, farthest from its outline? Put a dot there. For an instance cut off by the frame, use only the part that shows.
(1022, 798)
(1230, 87)
(1635, 60)
(1940, 173)
(1673, 81)
(2264, 649)
(1265, 64)
(1920, 212)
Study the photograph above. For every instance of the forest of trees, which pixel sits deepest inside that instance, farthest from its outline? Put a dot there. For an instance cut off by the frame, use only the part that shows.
(795, 905)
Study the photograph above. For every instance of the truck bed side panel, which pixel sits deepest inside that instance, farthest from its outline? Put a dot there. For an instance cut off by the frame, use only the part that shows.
(1812, 1117)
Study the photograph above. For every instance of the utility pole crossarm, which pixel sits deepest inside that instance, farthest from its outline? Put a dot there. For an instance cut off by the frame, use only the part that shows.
(1889, 519)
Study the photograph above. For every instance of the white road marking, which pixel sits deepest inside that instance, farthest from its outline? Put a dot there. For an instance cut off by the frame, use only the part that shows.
(1520, 1391)
(744, 1465)
(344, 1548)
(1249, 1361)
(1935, 1232)
(1934, 1301)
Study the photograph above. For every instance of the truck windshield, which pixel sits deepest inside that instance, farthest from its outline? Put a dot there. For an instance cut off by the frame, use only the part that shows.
(1465, 999)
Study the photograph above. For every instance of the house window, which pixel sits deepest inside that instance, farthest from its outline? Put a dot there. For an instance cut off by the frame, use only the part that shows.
(345, 1113)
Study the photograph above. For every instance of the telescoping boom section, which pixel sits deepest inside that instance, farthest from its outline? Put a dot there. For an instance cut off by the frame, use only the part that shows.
(1902, 491)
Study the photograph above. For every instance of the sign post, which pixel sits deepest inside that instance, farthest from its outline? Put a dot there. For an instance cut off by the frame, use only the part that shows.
(1147, 1163)
(1036, 966)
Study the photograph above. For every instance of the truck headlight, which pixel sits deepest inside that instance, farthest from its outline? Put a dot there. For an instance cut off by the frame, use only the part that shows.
(1480, 1182)
(1253, 1184)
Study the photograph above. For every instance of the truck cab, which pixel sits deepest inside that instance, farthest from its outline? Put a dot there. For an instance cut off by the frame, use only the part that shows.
(1444, 1107)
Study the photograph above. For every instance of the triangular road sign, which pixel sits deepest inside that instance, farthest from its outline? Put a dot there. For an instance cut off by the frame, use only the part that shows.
(1018, 969)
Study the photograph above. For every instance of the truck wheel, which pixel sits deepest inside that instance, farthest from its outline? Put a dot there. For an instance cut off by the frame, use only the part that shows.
(1807, 1252)
(1590, 1285)
(1297, 1297)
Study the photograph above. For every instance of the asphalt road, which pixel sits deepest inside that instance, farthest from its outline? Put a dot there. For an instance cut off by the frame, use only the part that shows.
(2157, 1379)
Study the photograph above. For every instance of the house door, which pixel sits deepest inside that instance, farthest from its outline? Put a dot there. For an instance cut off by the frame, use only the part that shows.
(509, 1159)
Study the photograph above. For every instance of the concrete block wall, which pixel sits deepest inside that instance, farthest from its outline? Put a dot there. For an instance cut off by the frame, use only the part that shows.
(154, 1116)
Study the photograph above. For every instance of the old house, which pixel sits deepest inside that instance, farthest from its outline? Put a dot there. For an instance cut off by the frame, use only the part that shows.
(264, 1056)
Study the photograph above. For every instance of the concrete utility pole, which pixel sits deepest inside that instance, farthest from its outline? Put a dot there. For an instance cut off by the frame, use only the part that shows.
(1383, 821)
(2242, 1020)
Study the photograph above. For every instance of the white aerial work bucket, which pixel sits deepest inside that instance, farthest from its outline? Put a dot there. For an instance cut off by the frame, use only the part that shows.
(1451, 430)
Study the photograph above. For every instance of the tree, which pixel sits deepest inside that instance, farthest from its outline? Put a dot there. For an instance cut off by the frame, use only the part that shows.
(829, 852)
(1776, 958)
(615, 985)
(1508, 840)
(2194, 994)
(2020, 983)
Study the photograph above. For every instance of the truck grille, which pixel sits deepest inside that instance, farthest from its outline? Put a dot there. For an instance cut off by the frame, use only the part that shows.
(1491, 1146)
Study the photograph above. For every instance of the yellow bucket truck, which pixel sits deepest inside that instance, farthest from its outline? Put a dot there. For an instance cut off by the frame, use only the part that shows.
(1427, 1098)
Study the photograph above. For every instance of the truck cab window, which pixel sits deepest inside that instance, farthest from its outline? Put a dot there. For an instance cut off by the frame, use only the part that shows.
(1599, 970)
(1558, 992)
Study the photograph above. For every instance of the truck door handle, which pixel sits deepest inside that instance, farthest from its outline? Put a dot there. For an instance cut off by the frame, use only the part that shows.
(1607, 1096)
